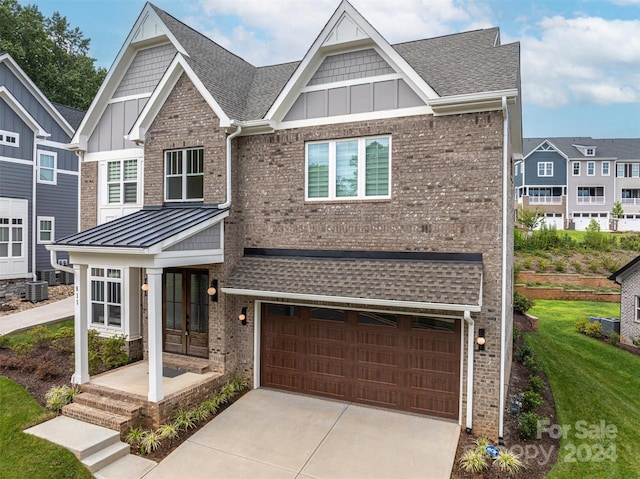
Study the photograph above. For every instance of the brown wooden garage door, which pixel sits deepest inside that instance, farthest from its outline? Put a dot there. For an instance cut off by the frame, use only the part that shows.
(401, 362)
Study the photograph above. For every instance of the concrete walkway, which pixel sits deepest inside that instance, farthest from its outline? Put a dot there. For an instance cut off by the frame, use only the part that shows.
(47, 313)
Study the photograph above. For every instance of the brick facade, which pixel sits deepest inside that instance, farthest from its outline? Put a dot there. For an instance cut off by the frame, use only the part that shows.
(89, 191)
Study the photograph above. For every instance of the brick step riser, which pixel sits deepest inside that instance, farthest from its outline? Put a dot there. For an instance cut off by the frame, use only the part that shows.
(101, 418)
(108, 404)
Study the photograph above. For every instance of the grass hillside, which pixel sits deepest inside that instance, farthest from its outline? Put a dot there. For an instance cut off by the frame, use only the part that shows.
(584, 252)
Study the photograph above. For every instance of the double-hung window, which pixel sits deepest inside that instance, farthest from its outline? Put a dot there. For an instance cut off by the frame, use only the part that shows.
(605, 168)
(545, 168)
(122, 182)
(348, 169)
(576, 168)
(591, 168)
(46, 229)
(184, 175)
(106, 297)
(47, 167)
(11, 238)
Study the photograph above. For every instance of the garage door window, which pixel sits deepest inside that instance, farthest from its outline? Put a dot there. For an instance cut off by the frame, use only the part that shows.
(327, 314)
(434, 323)
(282, 310)
(377, 319)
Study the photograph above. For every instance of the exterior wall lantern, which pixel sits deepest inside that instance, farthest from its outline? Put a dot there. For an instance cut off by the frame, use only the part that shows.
(481, 339)
(243, 316)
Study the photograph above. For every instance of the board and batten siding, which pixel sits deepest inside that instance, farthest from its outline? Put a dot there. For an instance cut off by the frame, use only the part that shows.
(11, 122)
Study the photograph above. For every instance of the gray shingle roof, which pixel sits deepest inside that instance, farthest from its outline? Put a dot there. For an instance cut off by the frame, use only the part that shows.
(143, 228)
(468, 62)
(443, 282)
(72, 115)
(619, 148)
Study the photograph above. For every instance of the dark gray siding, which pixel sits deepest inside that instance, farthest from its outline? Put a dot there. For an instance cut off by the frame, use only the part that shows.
(559, 169)
(16, 181)
(67, 160)
(517, 178)
(61, 202)
(32, 105)
(10, 121)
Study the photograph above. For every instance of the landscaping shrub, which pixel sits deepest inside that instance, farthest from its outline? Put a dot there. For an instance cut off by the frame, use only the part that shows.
(149, 442)
(610, 264)
(593, 330)
(532, 364)
(528, 424)
(577, 266)
(636, 341)
(596, 239)
(630, 243)
(614, 338)
(531, 400)
(521, 304)
(523, 352)
(22, 349)
(580, 325)
(543, 265)
(112, 352)
(4, 341)
(39, 335)
(59, 396)
(594, 266)
(536, 384)
(63, 339)
(516, 334)
(508, 462)
(473, 461)
(559, 266)
(46, 371)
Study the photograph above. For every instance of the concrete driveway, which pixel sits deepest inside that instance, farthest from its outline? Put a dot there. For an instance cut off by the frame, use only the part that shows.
(272, 434)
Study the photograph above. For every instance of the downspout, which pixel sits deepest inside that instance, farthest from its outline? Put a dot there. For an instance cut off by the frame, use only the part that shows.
(34, 218)
(53, 258)
(227, 203)
(470, 331)
(503, 315)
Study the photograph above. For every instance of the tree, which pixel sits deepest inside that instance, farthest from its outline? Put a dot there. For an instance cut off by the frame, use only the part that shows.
(530, 218)
(616, 214)
(51, 53)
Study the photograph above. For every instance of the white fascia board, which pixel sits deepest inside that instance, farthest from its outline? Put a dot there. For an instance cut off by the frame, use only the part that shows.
(546, 140)
(317, 52)
(188, 258)
(345, 299)
(179, 237)
(24, 115)
(178, 66)
(472, 102)
(114, 75)
(35, 91)
(127, 153)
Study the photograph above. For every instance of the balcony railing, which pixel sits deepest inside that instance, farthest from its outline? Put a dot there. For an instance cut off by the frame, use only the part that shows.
(631, 201)
(591, 200)
(545, 200)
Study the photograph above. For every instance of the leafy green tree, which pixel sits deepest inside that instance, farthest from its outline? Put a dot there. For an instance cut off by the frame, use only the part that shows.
(616, 214)
(530, 218)
(54, 55)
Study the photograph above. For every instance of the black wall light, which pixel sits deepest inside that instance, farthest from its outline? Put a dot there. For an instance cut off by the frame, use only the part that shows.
(481, 340)
(243, 316)
(212, 291)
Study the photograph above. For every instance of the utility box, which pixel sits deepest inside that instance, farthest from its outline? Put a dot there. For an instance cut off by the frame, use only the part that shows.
(50, 276)
(66, 277)
(36, 291)
(609, 325)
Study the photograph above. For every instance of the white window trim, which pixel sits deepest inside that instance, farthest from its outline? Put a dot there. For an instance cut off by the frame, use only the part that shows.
(184, 175)
(55, 167)
(573, 171)
(608, 173)
(105, 326)
(12, 134)
(121, 182)
(544, 165)
(637, 309)
(53, 229)
(332, 170)
(594, 168)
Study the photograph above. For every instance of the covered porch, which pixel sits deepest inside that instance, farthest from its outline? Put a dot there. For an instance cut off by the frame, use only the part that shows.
(119, 269)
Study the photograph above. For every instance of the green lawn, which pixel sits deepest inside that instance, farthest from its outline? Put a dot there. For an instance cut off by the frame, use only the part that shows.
(591, 382)
(25, 456)
(24, 337)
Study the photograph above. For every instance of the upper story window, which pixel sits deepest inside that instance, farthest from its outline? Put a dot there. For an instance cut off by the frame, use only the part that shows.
(545, 168)
(605, 168)
(590, 152)
(122, 182)
(348, 169)
(184, 175)
(9, 138)
(628, 170)
(47, 161)
(591, 168)
(576, 168)
(46, 229)
(11, 238)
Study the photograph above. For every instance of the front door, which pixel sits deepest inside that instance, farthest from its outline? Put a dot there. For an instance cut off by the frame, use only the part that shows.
(186, 313)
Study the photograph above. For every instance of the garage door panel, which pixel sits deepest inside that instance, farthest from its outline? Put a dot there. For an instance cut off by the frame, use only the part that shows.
(282, 380)
(431, 364)
(386, 377)
(323, 386)
(443, 345)
(432, 383)
(376, 397)
(433, 406)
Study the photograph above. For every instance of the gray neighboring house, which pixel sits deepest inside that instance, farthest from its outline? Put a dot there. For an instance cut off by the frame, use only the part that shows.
(39, 177)
(576, 180)
(628, 277)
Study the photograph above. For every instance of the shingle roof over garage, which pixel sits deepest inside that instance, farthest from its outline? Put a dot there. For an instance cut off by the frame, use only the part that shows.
(452, 279)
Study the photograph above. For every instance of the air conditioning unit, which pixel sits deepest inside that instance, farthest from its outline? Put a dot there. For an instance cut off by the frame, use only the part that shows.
(50, 276)
(36, 291)
(66, 277)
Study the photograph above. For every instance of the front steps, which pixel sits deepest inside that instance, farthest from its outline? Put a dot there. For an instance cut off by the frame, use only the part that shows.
(98, 448)
(104, 411)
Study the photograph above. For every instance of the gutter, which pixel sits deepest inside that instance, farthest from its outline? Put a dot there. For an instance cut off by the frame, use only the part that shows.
(53, 259)
(227, 203)
(503, 315)
(470, 353)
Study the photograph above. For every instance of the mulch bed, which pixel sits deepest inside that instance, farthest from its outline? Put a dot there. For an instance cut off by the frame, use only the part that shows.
(538, 455)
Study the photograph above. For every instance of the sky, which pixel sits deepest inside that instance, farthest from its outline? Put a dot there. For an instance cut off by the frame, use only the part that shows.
(580, 59)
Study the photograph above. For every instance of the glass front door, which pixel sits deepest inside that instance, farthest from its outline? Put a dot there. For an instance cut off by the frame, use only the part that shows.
(186, 313)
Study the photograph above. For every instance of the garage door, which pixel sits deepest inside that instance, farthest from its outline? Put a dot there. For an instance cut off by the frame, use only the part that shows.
(394, 361)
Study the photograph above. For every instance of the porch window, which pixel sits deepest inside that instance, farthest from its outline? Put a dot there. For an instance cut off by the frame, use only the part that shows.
(122, 182)
(348, 169)
(106, 297)
(11, 237)
(184, 175)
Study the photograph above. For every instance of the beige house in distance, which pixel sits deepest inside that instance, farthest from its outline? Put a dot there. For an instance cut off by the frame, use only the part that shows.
(339, 226)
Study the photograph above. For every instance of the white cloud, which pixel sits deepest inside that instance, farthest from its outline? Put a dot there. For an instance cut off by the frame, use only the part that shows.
(585, 60)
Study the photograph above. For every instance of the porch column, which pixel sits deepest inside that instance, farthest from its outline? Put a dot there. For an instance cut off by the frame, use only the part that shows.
(81, 374)
(154, 280)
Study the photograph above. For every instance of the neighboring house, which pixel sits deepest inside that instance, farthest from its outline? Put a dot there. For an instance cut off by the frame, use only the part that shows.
(628, 277)
(576, 180)
(339, 226)
(39, 178)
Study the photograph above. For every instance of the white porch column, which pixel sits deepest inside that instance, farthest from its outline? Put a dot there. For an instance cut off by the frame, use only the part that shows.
(154, 329)
(81, 321)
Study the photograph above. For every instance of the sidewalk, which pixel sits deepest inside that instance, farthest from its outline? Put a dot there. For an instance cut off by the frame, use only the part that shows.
(48, 313)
